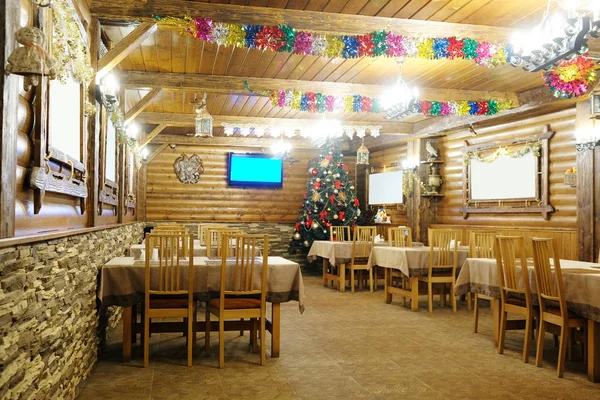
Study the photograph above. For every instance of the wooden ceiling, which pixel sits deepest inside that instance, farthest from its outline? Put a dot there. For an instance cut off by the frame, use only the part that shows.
(167, 51)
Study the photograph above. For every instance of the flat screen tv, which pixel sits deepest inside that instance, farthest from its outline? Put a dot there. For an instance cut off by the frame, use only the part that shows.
(257, 170)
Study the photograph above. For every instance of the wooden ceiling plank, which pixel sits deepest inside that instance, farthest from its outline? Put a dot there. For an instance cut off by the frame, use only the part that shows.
(373, 7)
(326, 22)
(124, 48)
(228, 84)
(174, 119)
(276, 64)
(409, 10)
(391, 8)
(353, 6)
(141, 105)
(150, 136)
(448, 10)
(316, 5)
(467, 10)
(430, 9)
(335, 6)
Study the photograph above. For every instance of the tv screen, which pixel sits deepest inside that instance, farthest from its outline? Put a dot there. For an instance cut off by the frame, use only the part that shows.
(260, 170)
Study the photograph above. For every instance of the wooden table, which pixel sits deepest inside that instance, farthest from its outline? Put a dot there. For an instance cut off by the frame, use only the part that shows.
(582, 284)
(122, 284)
(412, 262)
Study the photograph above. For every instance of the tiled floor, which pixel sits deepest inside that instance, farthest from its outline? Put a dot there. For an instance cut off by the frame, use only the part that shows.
(346, 346)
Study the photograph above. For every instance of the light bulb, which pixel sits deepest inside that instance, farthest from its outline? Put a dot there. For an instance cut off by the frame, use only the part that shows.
(133, 130)
(110, 85)
(144, 153)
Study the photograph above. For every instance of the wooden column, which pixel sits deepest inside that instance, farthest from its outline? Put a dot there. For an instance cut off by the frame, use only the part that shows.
(9, 89)
(121, 173)
(588, 198)
(141, 193)
(93, 142)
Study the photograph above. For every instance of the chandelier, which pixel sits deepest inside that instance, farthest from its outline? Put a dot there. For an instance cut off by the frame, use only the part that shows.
(400, 101)
(554, 39)
(204, 121)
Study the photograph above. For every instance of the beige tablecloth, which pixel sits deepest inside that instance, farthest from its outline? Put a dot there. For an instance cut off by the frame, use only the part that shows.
(122, 281)
(480, 275)
(337, 252)
(136, 250)
(411, 261)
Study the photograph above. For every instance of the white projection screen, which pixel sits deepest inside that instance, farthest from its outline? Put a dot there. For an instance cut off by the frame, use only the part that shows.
(504, 178)
(385, 188)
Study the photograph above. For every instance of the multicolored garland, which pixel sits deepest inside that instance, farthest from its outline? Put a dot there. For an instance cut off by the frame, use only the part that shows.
(571, 78)
(320, 103)
(382, 43)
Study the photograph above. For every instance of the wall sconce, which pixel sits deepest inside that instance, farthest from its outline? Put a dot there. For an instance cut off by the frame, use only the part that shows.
(107, 92)
(144, 153)
(133, 131)
(409, 176)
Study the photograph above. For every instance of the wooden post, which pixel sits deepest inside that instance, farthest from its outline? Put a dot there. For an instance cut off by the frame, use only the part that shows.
(9, 87)
(93, 136)
(141, 193)
(588, 172)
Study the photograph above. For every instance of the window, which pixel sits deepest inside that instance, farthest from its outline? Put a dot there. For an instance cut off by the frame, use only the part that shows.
(110, 160)
(131, 172)
(64, 117)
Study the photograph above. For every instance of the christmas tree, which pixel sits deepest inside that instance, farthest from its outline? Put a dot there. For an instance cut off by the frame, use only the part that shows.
(329, 200)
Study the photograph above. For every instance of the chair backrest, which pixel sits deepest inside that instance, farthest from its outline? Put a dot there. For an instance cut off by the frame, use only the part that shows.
(481, 244)
(400, 237)
(202, 228)
(443, 249)
(509, 251)
(168, 279)
(339, 233)
(242, 268)
(214, 240)
(549, 286)
(364, 237)
(172, 230)
(168, 228)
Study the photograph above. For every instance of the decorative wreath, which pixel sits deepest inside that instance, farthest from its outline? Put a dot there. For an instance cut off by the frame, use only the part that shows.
(571, 78)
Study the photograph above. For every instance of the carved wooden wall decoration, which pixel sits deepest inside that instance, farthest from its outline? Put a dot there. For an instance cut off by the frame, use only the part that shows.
(188, 169)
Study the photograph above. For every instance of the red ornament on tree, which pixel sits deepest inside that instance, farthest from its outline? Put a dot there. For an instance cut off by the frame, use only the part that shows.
(356, 202)
(309, 222)
(317, 185)
(314, 172)
(328, 157)
(341, 214)
(337, 184)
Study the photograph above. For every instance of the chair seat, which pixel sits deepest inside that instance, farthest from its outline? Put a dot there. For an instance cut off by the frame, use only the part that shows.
(236, 303)
(168, 303)
(556, 311)
(515, 301)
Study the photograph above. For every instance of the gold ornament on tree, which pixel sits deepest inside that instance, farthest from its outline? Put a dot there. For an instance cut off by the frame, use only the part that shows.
(315, 197)
(324, 163)
(342, 196)
(315, 226)
(297, 236)
(31, 61)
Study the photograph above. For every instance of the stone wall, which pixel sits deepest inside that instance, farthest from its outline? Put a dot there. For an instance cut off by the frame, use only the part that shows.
(48, 314)
(279, 241)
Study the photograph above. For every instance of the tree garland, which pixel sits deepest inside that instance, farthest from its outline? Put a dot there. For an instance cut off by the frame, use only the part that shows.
(535, 148)
(571, 78)
(284, 38)
(70, 51)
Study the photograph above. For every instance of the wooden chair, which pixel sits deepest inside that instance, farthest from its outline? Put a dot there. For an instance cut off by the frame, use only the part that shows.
(168, 228)
(173, 230)
(515, 291)
(364, 238)
(214, 240)
(551, 290)
(166, 295)
(241, 297)
(442, 263)
(337, 232)
(202, 228)
(481, 245)
(400, 237)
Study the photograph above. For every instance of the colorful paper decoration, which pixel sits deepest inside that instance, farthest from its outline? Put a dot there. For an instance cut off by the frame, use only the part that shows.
(382, 43)
(572, 78)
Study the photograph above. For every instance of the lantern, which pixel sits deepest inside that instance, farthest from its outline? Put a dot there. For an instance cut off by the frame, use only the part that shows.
(362, 155)
(204, 121)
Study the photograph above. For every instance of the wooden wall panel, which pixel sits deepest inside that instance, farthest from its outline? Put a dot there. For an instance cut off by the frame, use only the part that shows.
(388, 160)
(213, 200)
(562, 156)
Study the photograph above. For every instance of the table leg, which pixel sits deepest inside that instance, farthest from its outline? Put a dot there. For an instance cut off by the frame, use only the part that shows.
(342, 273)
(127, 334)
(276, 334)
(414, 298)
(387, 273)
(325, 265)
(495, 305)
(593, 348)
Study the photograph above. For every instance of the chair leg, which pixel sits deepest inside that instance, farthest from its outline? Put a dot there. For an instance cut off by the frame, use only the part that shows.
(443, 295)
(453, 298)
(263, 342)
(528, 330)
(253, 338)
(241, 330)
(352, 279)
(475, 311)
(146, 341)
(221, 343)
(430, 295)
(539, 351)
(207, 331)
(469, 302)
(562, 351)
(502, 331)
(190, 335)
(371, 278)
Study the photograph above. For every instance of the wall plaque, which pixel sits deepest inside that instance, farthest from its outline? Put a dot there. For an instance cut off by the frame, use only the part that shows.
(188, 169)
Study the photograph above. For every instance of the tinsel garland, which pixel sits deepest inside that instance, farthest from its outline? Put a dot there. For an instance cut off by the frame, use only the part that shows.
(571, 78)
(534, 147)
(70, 50)
(321, 103)
(284, 38)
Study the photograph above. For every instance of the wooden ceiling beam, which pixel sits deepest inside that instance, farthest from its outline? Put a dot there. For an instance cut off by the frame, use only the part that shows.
(174, 119)
(124, 48)
(297, 143)
(156, 152)
(152, 135)
(228, 84)
(141, 105)
(531, 101)
(323, 22)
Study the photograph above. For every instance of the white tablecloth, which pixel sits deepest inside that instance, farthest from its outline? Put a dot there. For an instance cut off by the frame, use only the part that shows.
(411, 261)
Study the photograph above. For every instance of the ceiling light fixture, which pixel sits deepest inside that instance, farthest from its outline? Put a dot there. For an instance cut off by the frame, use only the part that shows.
(204, 121)
(400, 101)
